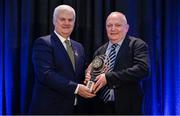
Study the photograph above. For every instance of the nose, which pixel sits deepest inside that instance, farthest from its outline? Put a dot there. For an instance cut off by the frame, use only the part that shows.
(113, 27)
(66, 22)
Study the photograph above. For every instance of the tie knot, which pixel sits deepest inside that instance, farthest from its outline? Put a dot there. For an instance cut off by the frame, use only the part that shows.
(67, 42)
(114, 46)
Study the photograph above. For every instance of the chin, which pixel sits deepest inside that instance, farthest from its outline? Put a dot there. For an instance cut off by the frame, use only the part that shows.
(114, 39)
(66, 33)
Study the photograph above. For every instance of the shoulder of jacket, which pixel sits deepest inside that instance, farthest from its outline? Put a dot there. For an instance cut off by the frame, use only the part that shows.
(135, 40)
(44, 39)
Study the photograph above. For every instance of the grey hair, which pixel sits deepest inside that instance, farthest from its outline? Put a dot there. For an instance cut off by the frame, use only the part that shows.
(60, 8)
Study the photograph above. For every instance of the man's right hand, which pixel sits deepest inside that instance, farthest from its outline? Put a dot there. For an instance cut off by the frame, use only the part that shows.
(83, 91)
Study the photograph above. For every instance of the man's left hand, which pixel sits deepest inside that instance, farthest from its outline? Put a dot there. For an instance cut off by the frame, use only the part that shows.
(100, 82)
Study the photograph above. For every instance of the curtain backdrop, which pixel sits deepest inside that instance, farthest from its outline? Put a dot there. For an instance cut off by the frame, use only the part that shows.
(154, 21)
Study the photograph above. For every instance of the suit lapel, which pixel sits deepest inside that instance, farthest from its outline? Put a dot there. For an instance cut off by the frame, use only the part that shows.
(122, 51)
(103, 49)
(62, 50)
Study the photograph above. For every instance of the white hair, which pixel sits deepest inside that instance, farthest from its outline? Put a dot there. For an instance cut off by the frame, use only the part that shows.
(61, 8)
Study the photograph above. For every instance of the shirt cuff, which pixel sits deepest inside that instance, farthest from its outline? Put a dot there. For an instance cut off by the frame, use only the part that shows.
(76, 89)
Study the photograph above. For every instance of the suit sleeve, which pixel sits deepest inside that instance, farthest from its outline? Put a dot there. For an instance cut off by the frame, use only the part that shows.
(139, 69)
(46, 71)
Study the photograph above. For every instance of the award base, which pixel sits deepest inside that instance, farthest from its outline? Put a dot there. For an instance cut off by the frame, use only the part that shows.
(90, 85)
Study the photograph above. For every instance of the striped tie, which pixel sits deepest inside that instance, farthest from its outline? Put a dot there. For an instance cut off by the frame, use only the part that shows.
(106, 93)
(112, 57)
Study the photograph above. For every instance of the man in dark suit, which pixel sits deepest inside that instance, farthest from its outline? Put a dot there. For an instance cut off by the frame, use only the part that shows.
(119, 89)
(59, 67)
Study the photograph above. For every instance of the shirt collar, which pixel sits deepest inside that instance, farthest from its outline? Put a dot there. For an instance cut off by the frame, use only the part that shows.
(119, 43)
(62, 39)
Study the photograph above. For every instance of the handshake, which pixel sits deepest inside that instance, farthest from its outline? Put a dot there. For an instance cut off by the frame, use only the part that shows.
(95, 77)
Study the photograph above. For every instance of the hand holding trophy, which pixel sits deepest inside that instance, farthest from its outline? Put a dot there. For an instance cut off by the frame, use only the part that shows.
(98, 66)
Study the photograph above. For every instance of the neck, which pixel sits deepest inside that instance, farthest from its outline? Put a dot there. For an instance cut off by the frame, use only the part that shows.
(116, 41)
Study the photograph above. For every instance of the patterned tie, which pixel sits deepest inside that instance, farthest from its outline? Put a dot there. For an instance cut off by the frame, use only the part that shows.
(70, 52)
(106, 93)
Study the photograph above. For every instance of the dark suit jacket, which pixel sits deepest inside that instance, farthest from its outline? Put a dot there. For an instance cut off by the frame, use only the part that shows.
(56, 79)
(131, 66)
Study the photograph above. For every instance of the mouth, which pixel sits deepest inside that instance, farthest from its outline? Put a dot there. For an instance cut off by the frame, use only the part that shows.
(66, 27)
(113, 33)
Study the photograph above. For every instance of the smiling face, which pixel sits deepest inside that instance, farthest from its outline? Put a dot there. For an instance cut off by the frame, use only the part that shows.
(64, 22)
(116, 27)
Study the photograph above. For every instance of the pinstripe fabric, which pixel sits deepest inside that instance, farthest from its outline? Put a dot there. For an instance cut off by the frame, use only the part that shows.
(108, 94)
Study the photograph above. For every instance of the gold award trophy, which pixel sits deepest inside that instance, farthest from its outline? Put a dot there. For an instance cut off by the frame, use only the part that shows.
(98, 66)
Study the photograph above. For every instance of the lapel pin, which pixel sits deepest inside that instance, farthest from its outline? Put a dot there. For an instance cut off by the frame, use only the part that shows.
(76, 54)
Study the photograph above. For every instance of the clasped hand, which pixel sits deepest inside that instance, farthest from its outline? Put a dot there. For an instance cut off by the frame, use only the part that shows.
(83, 91)
(100, 81)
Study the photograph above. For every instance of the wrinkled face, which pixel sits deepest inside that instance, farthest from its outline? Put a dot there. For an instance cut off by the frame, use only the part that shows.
(64, 23)
(116, 27)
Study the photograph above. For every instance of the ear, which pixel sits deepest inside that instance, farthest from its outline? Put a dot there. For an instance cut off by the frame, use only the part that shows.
(127, 27)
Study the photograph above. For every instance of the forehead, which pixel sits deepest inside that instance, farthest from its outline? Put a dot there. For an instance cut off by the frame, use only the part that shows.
(115, 18)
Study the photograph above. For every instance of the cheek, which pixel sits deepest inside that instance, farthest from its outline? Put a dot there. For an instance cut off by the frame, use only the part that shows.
(59, 22)
(59, 25)
(72, 24)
